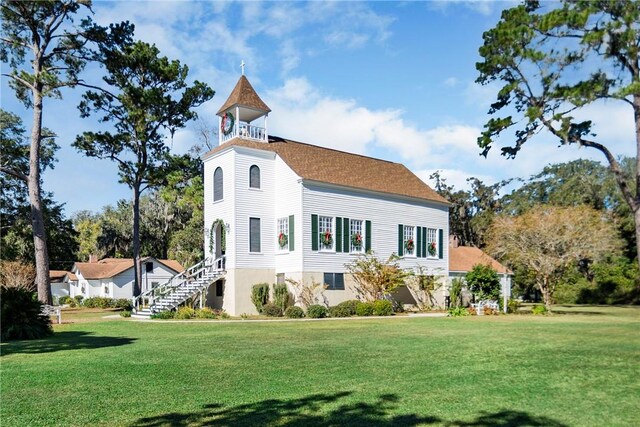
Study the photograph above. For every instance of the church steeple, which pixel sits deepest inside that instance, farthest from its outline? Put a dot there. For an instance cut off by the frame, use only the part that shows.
(243, 107)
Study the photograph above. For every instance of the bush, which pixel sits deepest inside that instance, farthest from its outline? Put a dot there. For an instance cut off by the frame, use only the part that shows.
(223, 314)
(123, 303)
(455, 292)
(164, 315)
(260, 295)
(364, 309)
(340, 311)
(458, 312)
(65, 299)
(97, 302)
(206, 313)
(513, 305)
(77, 301)
(294, 312)
(539, 309)
(125, 313)
(316, 311)
(21, 316)
(483, 281)
(382, 307)
(350, 305)
(271, 310)
(184, 313)
(281, 297)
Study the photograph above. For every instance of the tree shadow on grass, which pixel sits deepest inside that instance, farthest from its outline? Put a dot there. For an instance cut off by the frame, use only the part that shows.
(61, 341)
(306, 411)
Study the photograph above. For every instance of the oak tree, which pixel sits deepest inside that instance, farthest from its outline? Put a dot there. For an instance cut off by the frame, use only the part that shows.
(552, 64)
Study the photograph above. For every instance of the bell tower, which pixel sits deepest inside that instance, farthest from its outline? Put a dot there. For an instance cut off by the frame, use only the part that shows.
(239, 115)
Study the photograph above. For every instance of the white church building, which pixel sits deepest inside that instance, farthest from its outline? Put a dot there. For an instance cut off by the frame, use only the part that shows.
(279, 209)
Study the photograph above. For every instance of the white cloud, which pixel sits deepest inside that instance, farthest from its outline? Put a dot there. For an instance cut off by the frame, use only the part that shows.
(451, 82)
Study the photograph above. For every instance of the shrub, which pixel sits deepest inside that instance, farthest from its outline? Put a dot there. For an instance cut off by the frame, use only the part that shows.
(77, 301)
(489, 311)
(539, 309)
(455, 292)
(98, 302)
(260, 295)
(483, 281)
(185, 313)
(350, 305)
(513, 305)
(316, 311)
(65, 299)
(271, 310)
(382, 308)
(206, 313)
(458, 312)
(125, 313)
(21, 316)
(163, 315)
(364, 309)
(294, 312)
(281, 296)
(340, 311)
(223, 314)
(123, 303)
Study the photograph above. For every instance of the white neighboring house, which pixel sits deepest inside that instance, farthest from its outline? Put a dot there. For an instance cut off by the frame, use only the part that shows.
(60, 282)
(462, 259)
(279, 209)
(114, 277)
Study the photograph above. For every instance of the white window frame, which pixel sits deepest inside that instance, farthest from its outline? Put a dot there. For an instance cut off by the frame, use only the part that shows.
(214, 185)
(249, 235)
(259, 178)
(355, 226)
(323, 221)
(282, 226)
(409, 232)
(432, 236)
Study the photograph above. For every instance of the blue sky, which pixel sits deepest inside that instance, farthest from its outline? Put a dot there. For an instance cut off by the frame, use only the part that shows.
(393, 80)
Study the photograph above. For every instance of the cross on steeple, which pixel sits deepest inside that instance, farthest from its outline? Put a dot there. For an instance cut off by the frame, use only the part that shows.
(242, 66)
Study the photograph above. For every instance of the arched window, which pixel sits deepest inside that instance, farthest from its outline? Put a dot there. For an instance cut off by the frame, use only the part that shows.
(254, 177)
(217, 185)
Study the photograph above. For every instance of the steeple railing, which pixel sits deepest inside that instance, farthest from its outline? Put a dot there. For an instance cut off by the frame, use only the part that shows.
(246, 131)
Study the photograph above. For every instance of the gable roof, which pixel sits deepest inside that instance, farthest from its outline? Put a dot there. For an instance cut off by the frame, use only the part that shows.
(327, 165)
(57, 276)
(463, 258)
(244, 95)
(109, 267)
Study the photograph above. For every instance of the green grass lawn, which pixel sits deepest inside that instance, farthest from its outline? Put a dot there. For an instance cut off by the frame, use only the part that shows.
(576, 368)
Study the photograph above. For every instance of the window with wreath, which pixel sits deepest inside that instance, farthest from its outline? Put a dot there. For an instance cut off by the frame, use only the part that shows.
(325, 231)
(409, 240)
(432, 242)
(217, 184)
(254, 177)
(356, 235)
(283, 234)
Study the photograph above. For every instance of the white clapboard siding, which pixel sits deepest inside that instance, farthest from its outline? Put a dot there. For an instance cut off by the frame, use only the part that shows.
(222, 209)
(254, 203)
(385, 213)
(288, 201)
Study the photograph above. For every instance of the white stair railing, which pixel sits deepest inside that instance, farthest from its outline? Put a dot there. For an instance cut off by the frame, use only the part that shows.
(202, 270)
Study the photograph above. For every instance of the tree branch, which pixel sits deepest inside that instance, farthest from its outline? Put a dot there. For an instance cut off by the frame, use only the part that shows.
(14, 173)
(20, 80)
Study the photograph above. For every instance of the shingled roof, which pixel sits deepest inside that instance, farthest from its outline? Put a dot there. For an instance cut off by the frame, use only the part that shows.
(110, 267)
(463, 258)
(245, 96)
(321, 164)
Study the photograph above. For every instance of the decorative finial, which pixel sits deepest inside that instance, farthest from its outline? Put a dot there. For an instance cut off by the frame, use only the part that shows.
(242, 66)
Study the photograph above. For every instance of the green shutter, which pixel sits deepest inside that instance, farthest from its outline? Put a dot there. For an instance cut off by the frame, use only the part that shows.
(400, 239)
(424, 242)
(314, 232)
(292, 233)
(367, 236)
(419, 242)
(338, 235)
(440, 247)
(346, 235)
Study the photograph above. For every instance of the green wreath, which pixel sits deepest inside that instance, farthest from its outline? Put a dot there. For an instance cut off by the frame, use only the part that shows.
(282, 240)
(356, 240)
(226, 125)
(432, 248)
(409, 245)
(327, 238)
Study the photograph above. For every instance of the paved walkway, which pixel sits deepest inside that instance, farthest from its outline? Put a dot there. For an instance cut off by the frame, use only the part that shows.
(408, 316)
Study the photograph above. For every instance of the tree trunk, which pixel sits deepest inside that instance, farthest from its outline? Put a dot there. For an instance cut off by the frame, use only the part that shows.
(136, 241)
(546, 292)
(37, 216)
(636, 208)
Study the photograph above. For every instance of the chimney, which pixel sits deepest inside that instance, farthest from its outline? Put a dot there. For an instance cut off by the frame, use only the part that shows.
(93, 258)
(453, 241)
